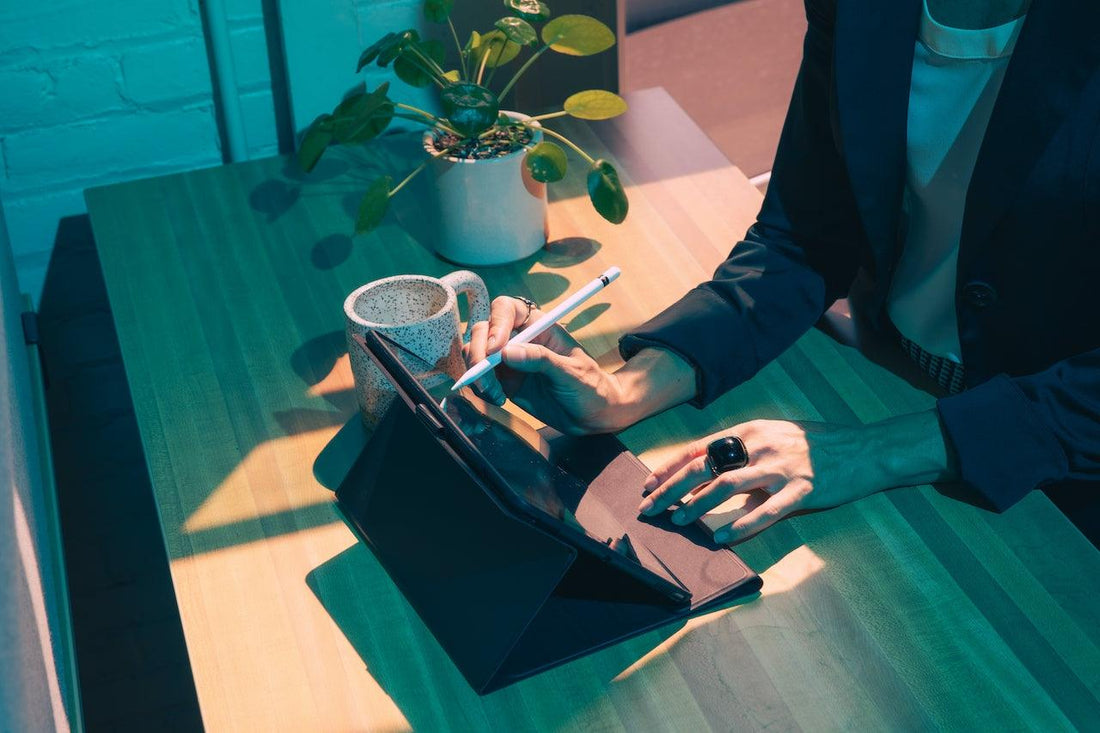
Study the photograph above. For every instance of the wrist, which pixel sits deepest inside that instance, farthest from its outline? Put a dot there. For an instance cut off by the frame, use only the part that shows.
(909, 450)
(651, 381)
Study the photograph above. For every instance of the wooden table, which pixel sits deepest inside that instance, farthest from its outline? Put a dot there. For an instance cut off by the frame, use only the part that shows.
(904, 610)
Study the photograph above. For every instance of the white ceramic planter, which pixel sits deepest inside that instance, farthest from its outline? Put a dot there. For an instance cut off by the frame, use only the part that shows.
(487, 212)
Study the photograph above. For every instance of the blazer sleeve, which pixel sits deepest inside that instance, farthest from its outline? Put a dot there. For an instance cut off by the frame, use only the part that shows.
(800, 255)
(1012, 435)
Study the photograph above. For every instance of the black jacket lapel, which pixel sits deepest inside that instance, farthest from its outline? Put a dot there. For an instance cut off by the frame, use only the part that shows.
(1057, 52)
(874, 64)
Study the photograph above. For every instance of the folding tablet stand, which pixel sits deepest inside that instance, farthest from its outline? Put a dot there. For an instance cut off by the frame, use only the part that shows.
(503, 597)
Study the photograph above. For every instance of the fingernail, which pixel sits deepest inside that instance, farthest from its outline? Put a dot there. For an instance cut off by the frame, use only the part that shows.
(491, 341)
(514, 354)
(499, 399)
(722, 536)
(680, 517)
(645, 507)
(650, 483)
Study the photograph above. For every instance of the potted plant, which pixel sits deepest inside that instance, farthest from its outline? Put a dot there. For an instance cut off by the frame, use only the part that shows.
(491, 165)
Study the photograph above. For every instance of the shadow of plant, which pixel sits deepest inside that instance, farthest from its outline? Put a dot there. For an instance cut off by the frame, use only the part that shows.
(545, 286)
(273, 198)
(331, 251)
(326, 169)
(314, 360)
(568, 251)
(587, 316)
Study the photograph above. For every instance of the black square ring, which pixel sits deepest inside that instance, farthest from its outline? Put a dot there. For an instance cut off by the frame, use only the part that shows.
(726, 454)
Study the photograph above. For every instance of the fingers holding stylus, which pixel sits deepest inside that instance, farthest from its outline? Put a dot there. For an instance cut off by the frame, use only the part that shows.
(505, 313)
(488, 388)
(491, 336)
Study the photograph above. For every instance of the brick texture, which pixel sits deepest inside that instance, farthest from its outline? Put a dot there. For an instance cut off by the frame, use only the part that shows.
(167, 71)
(60, 24)
(96, 94)
(101, 93)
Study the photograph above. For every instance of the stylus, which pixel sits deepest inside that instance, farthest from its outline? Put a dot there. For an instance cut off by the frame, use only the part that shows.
(486, 365)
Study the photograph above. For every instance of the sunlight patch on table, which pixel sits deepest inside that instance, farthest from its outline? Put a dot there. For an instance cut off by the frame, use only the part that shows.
(280, 662)
(276, 476)
(793, 569)
(339, 379)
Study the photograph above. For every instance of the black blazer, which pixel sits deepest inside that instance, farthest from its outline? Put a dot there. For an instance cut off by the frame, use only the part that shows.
(1029, 258)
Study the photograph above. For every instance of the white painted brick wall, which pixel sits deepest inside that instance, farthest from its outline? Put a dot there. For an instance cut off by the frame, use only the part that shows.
(95, 93)
(172, 72)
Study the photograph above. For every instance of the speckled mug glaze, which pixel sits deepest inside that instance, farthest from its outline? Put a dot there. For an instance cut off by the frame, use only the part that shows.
(421, 314)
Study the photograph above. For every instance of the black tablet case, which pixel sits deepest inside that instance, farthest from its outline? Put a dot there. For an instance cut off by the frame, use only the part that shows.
(504, 598)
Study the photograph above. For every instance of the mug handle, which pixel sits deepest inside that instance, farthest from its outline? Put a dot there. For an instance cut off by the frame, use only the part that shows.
(477, 296)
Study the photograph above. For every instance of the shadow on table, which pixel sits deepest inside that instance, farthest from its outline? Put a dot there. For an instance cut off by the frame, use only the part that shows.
(412, 668)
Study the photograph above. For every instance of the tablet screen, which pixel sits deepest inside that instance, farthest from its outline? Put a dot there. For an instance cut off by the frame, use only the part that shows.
(526, 470)
(511, 446)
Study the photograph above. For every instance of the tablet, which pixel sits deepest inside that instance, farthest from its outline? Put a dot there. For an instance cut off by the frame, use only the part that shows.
(524, 476)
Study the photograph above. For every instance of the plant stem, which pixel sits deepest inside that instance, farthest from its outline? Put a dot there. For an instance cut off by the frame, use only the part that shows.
(549, 116)
(496, 64)
(430, 67)
(481, 68)
(521, 71)
(436, 121)
(458, 45)
(567, 141)
(439, 124)
(409, 177)
(421, 167)
(416, 60)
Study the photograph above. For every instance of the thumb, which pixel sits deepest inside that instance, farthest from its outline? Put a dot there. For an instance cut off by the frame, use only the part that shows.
(533, 359)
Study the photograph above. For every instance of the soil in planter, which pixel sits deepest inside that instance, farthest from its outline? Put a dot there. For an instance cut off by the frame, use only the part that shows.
(500, 142)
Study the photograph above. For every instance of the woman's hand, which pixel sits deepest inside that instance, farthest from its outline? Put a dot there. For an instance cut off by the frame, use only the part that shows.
(552, 377)
(555, 379)
(800, 466)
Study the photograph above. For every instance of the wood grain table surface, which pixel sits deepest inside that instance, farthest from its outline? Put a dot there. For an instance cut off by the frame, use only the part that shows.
(909, 609)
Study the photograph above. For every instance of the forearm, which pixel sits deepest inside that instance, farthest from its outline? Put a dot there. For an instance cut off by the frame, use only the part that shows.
(651, 381)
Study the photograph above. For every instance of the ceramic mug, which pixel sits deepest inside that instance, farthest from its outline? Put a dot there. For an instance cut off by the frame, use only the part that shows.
(420, 313)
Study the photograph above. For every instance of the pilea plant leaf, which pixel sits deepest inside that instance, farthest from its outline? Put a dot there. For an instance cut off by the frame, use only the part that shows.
(577, 35)
(454, 75)
(546, 162)
(606, 192)
(371, 52)
(595, 104)
(372, 209)
(316, 138)
(366, 126)
(500, 49)
(362, 116)
(474, 42)
(532, 10)
(396, 45)
(518, 31)
(470, 108)
(410, 69)
(350, 99)
(437, 11)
